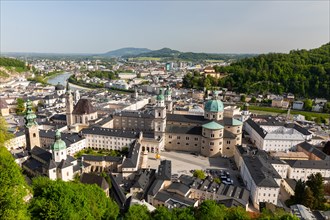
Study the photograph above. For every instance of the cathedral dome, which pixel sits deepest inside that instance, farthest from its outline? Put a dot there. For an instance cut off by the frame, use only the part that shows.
(59, 144)
(213, 106)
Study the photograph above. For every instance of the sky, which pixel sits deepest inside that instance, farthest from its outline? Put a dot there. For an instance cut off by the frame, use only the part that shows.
(196, 26)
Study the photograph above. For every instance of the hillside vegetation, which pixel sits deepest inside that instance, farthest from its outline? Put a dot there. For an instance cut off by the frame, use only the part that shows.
(9, 67)
(188, 56)
(305, 73)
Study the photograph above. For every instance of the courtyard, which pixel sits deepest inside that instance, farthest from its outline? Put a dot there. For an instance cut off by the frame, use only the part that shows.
(183, 163)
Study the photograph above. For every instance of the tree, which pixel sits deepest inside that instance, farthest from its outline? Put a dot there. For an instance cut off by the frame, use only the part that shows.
(217, 180)
(20, 106)
(243, 98)
(162, 213)
(253, 100)
(315, 183)
(138, 212)
(308, 104)
(209, 210)
(237, 213)
(13, 188)
(70, 200)
(308, 198)
(183, 213)
(199, 174)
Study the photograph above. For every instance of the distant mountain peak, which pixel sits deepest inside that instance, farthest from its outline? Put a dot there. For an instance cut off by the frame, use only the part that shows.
(126, 51)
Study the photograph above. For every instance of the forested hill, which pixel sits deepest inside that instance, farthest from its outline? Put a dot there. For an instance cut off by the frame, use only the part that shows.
(305, 73)
(9, 66)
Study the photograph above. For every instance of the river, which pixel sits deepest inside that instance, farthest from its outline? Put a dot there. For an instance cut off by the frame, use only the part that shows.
(62, 79)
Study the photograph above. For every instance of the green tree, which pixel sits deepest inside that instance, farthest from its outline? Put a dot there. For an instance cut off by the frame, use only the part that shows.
(138, 212)
(315, 183)
(183, 213)
(217, 180)
(162, 213)
(243, 98)
(199, 174)
(308, 104)
(253, 100)
(20, 106)
(13, 188)
(308, 198)
(70, 200)
(209, 210)
(237, 213)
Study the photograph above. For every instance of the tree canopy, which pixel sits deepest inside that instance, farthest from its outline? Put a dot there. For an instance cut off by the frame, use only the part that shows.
(13, 188)
(305, 73)
(70, 200)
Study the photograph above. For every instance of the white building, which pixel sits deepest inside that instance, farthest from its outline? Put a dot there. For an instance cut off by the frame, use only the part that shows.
(269, 134)
(298, 105)
(301, 169)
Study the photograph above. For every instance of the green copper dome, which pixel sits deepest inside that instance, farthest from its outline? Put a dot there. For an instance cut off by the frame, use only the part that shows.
(160, 96)
(59, 144)
(213, 106)
(29, 115)
(168, 91)
(212, 126)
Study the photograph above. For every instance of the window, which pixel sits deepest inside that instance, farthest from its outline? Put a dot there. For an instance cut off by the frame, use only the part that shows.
(211, 143)
(211, 149)
(187, 138)
(212, 135)
(178, 143)
(170, 136)
(179, 137)
(34, 135)
(196, 139)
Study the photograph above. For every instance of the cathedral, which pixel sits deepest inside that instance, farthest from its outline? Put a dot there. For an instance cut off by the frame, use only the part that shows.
(55, 163)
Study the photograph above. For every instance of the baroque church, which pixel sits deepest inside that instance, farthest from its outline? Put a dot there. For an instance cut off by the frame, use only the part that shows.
(55, 163)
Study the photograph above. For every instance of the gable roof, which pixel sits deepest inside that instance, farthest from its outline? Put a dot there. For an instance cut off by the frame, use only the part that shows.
(83, 106)
(89, 178)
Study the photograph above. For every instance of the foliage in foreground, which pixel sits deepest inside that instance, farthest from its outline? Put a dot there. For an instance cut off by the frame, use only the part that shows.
(70, 200)
(208, 210)
(13, 188)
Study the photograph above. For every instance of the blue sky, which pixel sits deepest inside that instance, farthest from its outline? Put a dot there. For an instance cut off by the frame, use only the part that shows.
(198, 26)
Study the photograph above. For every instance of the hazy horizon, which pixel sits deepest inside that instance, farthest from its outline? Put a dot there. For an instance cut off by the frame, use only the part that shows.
(86, 27)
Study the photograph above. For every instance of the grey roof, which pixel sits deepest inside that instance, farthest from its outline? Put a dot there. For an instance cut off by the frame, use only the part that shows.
(42, 154)
(143, 179)
(155, 187)
(291, 182)
(111, 132)
(302, 130)
(262, 172)
(178, 187)
(63, 164)
(165, 170)
(228, 134)
(165, 197)
(68, 138)
(311, 164)
(136, 114)
(257, 128)
(102, 158)
(195, 130)
(196, 119)
(132, 158)
(33, 164)
(116, 192)
(83, 106)
(60, 117)
(89, 178)
(51, 164)
(310, 148)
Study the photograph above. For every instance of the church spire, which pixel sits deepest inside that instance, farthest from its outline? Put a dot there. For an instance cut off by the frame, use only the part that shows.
(29, 115)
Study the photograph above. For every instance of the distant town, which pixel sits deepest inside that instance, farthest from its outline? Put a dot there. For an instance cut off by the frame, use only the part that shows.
(174, 132)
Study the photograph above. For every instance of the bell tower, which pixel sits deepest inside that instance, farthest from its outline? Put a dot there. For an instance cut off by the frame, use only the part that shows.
(69, 106)
(160, 116)
(31, 128)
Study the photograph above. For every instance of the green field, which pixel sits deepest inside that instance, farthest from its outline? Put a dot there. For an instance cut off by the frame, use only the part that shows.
(148, 58)
(284, 111)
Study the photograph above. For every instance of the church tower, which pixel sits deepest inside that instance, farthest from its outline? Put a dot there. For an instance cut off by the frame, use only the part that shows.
(168, 100)
(160, 116)
(31, 128)
(69, 107)
(245, 113)
(59, 148)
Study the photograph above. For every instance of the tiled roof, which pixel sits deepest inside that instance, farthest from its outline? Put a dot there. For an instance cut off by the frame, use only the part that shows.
(83, 106)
